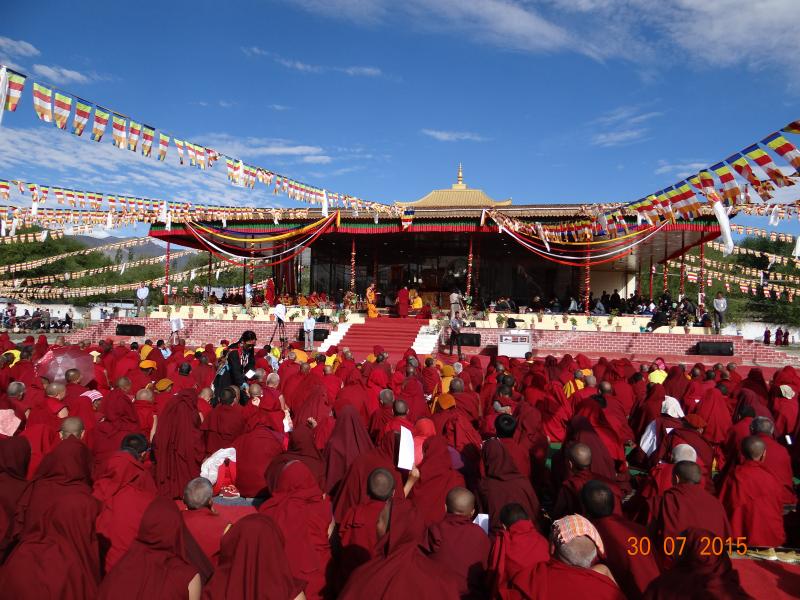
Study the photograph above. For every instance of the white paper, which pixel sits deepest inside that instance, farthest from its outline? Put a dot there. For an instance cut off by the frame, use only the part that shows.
(482, 519)
(788, 439)
(176, 324)
(250, 374)
(405, 458)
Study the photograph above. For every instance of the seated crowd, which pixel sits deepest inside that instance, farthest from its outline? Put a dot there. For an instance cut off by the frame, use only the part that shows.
(590, 479)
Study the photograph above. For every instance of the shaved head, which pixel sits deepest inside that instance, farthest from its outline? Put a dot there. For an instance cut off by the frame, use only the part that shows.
(386, 397)
(606, 388)
(687, 472)
(16, 389)
(753, 447)
(400, 408)
(55, 390)
(380, 484)
(684, 452)
(579, 552)
(762, 425)
(72, 376)
(456, 385)
(511, 513)
(460, 501)
(273, 380)
(71, 427)
(580, 455)
(305, 368)
(198, 493)
(145, 395)
(598, 499)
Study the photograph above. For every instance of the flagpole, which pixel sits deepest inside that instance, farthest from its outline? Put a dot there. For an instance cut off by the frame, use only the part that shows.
(3, 91)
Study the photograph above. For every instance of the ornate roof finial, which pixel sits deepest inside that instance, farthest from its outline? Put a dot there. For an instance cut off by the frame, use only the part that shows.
(460, 174)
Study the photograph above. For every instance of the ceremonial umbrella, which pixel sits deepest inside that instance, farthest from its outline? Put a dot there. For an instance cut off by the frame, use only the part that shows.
(56, 362)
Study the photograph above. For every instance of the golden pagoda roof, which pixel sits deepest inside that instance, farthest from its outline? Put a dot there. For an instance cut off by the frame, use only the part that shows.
(458, 196)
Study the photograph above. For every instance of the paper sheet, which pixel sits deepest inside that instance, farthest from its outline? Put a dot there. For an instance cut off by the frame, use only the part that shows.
(405, 458)
(482, 519)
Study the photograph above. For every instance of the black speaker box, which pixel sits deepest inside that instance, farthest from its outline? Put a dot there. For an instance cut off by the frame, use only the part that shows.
(715, 348)
(320, 335)
(470, 339)
(130, 329)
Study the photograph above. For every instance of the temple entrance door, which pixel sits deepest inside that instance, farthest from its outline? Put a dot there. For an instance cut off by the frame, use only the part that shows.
(396, 278)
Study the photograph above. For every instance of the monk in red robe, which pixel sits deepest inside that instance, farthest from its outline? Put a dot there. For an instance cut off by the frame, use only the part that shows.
(380, 417)
(579, 463)
(164, 560)
(253, 564)
(305, 517)
(255, 450)
(15, 454)
(349, 440)
(437, 478)
(302, 448)
(504, 484)
(632, 571)
(431, 378)
(119, 420)
(124, 489)
(459, 546)
(571, 572)
(224, 424)
(698, 573)
(66, 471)
(203, 521)
(353, 393)
(751, 496)
(358, 532)
(517, 546)
(402, 302)
(687, 504)
(178, 445)
(400, 569)
(58, 558)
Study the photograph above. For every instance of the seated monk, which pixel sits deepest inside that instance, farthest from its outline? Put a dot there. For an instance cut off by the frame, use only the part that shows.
(125, 488)
(399, 568)
(572, 572)
(633, 571)
(751, 496)
(460, 546)
(468, 402)
(579, 464)
(698, 573)
(506, 427)
(776, 460)
(399, 418)
(357, 529)
(430, 376)
(517, 546)
(687, 504)
(224, 424)
(206, 525)
(380, 418)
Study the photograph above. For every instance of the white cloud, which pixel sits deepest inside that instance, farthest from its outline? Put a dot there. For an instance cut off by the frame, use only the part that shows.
(453, 136)
(279, 107)
(619, 138)
(681, 169)
(226, 104)
(249, 148)
(304, 67)
(60, 74)
(17, 47)
(652, 33)
(319, 159)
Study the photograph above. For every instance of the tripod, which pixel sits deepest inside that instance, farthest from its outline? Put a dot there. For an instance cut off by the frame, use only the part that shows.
(280, 329)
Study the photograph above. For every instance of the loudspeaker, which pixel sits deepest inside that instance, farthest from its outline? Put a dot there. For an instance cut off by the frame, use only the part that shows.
(715, 348)
(320, 335)
(470, 339)
(130, 329)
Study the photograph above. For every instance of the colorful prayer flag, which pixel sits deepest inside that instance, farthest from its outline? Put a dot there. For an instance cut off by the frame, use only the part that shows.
(133, 135)
(100, 122)
(42, 97)
(763, 160)
(63, 105)
(793, 127)
(16, 83)
(742, 167)
(81, 117)
(163, 146)
(730, 190)
(179, 145)
(407, 218)
(147, 140)
(785, 148)
(118, 131)
(4, 190)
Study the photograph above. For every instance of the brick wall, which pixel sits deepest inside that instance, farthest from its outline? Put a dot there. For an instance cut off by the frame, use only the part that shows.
(197, 332)
(645, 345)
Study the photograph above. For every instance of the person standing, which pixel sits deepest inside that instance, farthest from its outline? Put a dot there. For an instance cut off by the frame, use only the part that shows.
(720, 306)
(455, 332)
(308, 331)
(372, 297)
(456, 303)
(142, 294)
(402, 302)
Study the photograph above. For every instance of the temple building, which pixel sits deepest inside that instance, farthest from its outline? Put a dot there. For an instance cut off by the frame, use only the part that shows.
(444, 241)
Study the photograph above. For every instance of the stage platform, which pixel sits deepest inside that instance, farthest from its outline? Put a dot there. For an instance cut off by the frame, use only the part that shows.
(396, 335)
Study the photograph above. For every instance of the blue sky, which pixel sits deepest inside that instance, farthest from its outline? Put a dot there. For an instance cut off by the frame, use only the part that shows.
(543, 101)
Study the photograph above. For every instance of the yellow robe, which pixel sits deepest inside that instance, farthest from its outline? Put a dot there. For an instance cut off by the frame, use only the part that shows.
(372, 310)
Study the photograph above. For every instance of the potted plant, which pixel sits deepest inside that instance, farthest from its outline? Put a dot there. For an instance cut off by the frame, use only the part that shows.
(564, 317)
(540, 315)
(293, 316)
(501, 320)
(612, 315)
(343, 315)
(689, 324)
(574, 322)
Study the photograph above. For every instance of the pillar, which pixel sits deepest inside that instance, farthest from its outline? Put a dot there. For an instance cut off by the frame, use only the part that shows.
(587, 283)
(666, 269)
(682, 287)
(651, 277)
(353, 265)
(469, 269)
(166, 276)
(702, 286)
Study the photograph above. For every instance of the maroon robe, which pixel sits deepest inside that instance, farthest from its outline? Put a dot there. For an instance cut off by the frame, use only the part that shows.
(555, 580)
(461, 548)
(688, 505)
(222, 427)
(178, 445)
(751, 496)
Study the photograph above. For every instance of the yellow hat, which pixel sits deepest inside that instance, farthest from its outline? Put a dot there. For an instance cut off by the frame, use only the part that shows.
(148, 364)
(163, 384)
(14, 356)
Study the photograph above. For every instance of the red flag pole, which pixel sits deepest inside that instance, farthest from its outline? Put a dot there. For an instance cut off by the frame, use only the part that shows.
(469, 268)
(166, 277)
(666, 269)
(587, 283)
(702, 271)
(682, 289)
(651, 277)
(353, 265)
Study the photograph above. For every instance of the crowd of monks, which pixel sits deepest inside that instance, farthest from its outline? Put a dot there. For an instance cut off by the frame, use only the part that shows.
(530, 478)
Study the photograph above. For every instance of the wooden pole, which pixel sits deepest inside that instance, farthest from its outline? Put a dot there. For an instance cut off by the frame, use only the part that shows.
(682, 288)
